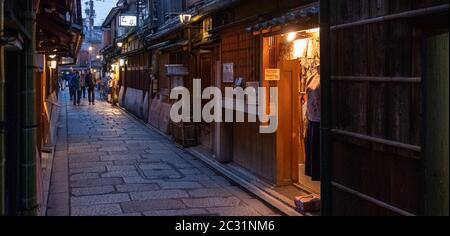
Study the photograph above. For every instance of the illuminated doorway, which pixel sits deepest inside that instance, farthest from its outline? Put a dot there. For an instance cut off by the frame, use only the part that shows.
(296, 57)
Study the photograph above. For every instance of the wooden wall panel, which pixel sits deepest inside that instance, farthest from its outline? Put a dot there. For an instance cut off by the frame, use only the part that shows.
(376, 150)
(345, 203)
(254, 151)
(242, 49)
(386, 177)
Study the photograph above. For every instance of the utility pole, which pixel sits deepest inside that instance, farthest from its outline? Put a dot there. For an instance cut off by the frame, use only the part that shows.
(91, 18)
(138, 9)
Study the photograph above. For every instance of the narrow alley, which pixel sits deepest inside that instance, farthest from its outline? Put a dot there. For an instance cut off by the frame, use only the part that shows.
(108, 163)
(220, 108)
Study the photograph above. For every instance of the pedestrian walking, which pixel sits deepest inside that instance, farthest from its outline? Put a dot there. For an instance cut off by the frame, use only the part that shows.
(103, 87)
(62, 82)
(76, 89)
(83, 85)
(70, 79)
(90, 83)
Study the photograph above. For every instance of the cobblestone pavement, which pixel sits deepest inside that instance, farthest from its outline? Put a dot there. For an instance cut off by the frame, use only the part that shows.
(108, 163)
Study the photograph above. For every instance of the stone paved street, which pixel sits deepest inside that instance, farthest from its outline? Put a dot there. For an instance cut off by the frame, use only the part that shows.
(108, 163)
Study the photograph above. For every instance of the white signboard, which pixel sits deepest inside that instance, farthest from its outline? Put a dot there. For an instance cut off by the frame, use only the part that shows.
(228, 72)
(128, 21)
(67, 60)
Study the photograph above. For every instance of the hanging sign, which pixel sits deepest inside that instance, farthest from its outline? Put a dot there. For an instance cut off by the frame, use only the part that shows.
(272, 74)
(67, 61)
(228, 72)
(128, 21)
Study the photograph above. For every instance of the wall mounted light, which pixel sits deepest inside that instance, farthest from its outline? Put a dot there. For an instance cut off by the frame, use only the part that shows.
(299, 48)
(52, 56)
(291, 36)
(98, 56)
(185, 18)
(314, 30)
(122, 62)
(119, 44)
(90, 49)
(53, 65)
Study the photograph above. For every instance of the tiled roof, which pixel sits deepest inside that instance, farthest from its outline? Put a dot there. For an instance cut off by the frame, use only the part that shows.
(297, 14)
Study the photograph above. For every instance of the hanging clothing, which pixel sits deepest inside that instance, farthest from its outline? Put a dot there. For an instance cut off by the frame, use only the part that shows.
(313, 135)
(313, 97)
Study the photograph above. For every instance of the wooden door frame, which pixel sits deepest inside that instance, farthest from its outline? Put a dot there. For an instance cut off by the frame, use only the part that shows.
(284, 178)
(212, 82)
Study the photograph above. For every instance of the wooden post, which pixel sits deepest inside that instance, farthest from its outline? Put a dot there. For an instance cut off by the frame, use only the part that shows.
(29, 122)
(326, 116)
(2, 111)
(436, 125)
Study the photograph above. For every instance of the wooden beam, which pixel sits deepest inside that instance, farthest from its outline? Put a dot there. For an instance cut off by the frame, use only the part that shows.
(372, 200)
(378, 140)
(402, 15)
(378, 79)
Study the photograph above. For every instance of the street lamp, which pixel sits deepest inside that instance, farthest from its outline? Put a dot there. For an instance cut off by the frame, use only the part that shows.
(185, 18)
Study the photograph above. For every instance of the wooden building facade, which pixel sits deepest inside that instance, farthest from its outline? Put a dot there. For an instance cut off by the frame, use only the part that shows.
(382, 147)
(382, 155)
(253, 46)
(35, 36)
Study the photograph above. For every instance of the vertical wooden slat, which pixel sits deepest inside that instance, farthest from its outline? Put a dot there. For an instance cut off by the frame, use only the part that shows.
(387, 110)
(436, 61)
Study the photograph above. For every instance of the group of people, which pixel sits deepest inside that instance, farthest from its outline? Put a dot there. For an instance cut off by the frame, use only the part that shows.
(78, 84)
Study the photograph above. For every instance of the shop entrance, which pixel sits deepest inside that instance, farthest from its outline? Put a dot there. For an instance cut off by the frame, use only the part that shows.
(295, 57)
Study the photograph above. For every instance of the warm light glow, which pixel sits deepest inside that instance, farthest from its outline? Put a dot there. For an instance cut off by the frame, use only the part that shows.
(91, 48)
(185, 18)
(291, 36)
(121, 62)
(299, 48)
(315, 30)
(119, 44)
(52, 56)
(98, 56)
(53, 65)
